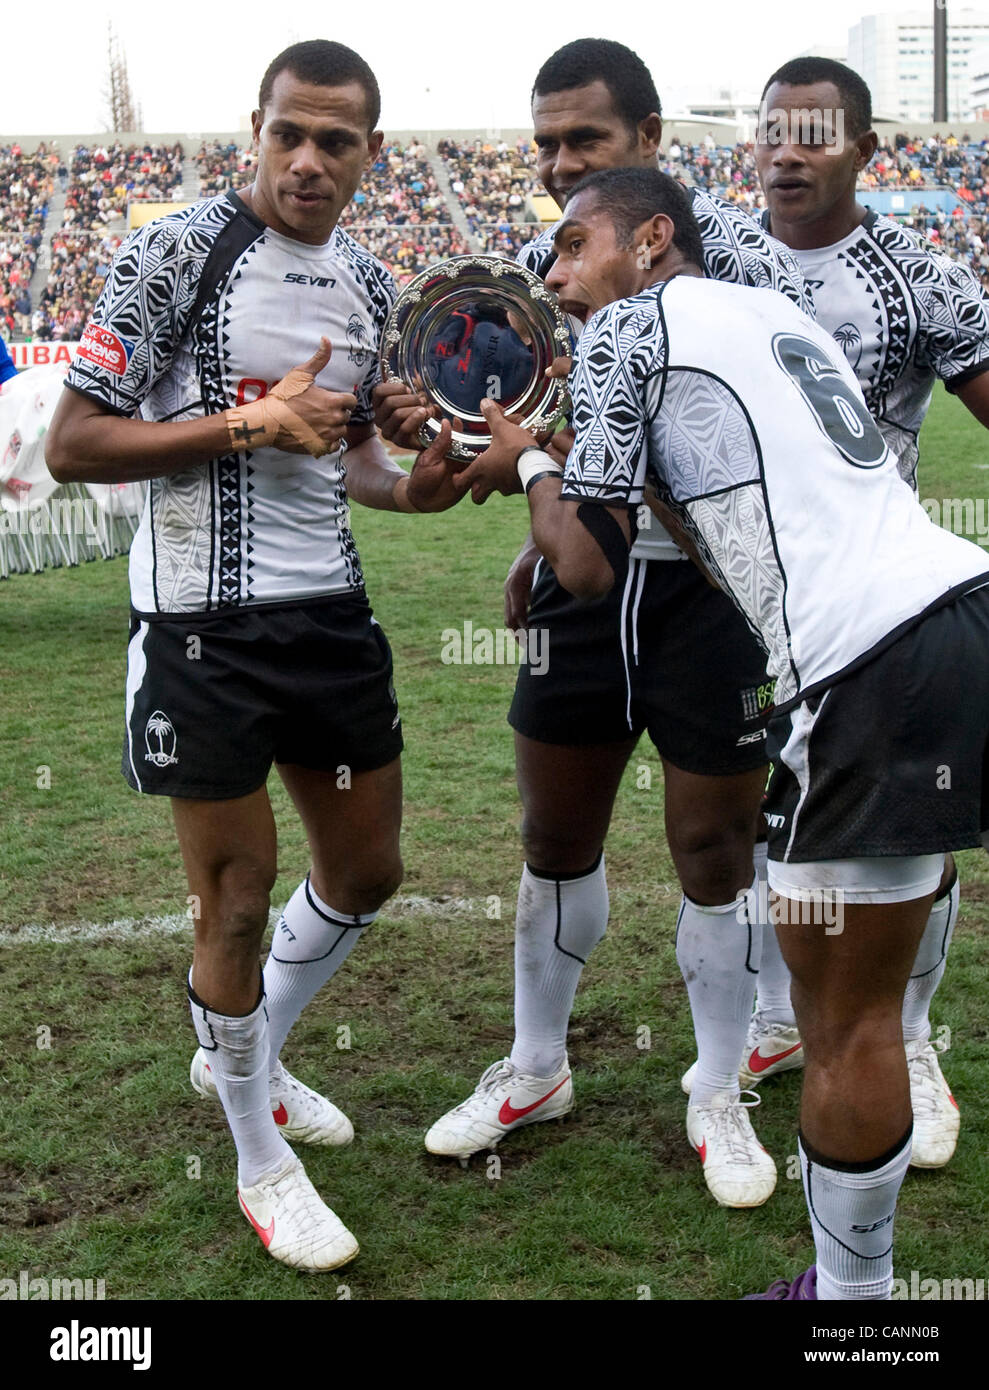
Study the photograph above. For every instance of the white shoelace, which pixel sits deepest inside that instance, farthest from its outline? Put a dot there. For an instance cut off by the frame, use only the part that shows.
(309, 1212)
(729, 1126)
(926, 1087)
(282, 1082)
(760, 1025)
(494, 1076)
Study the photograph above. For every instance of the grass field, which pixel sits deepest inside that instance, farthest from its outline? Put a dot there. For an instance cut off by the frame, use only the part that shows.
(112, 1168)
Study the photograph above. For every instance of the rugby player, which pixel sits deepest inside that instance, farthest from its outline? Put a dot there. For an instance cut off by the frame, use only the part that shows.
(617, 667)
(252, 640)
(904, 314)
(750, 423)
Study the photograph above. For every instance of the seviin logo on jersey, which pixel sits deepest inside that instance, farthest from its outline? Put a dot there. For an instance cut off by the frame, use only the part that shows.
(360, 343)
(160, 740)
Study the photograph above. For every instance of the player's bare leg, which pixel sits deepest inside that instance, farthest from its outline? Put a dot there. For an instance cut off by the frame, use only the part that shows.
(352, 822)
(936, 1117)
(229, 849)
(855, 1114)
(568, 794)
(710, 827)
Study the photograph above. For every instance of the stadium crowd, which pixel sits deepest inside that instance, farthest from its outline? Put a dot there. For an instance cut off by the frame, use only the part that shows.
(399, 212)
(399, 189)
(105, 179)
(79, 265)
(223, 166)
(491, 182)
(409, 250)
(26, 185)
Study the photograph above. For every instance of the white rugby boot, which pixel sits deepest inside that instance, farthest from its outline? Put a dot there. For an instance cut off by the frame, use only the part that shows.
(505, 1099)
(769, 1049)
(302, 1115)
(737, 1169)
(936, 1119)
(293, 1222)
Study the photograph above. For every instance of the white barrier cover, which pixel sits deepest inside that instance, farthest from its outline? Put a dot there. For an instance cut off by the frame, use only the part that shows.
(27, 404)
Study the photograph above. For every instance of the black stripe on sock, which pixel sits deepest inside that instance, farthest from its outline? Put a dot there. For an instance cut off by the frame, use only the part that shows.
(201, 1003)
(840, 1166)
(551, 876)
(951, 883)
(337, 919)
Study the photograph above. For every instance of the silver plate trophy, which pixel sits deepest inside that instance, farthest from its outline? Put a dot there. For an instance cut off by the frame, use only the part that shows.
(473, 327)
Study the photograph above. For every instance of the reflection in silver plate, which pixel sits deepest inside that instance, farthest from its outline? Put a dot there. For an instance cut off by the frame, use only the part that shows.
(473, 327)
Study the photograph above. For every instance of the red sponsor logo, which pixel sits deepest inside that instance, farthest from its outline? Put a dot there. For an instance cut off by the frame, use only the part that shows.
(103, 348)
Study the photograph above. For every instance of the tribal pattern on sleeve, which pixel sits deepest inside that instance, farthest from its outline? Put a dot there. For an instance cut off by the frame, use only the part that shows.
(618, 372)
(737, 249)
(143, 310)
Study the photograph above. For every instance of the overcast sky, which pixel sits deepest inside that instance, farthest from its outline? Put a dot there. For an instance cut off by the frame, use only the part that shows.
(195, 65)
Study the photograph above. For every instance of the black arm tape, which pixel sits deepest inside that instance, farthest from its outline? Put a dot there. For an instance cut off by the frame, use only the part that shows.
(608, 534)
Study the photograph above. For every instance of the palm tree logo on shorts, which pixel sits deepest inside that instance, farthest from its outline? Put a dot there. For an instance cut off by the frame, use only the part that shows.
(160, 740)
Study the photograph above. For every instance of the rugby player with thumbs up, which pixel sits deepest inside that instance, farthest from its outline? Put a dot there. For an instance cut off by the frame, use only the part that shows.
(252, 640)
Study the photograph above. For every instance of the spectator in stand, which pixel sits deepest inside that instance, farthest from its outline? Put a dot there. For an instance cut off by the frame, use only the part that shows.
(22, 309)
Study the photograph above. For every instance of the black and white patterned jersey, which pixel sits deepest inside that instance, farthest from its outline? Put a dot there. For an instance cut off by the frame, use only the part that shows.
(759, 439)
(736, 249)
(904, 313)
(206, 309)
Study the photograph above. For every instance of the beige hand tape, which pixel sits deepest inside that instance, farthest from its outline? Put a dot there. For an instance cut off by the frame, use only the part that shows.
(261, 422)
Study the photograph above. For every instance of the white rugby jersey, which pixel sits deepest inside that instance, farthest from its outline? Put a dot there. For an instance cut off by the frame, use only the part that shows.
(758, 437)
(205, 309)
(903, 313)
(736, 249)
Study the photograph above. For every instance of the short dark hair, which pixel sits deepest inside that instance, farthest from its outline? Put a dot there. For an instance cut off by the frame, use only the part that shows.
(632, 196)
(577, 64)
(324, 64)
(856, 99)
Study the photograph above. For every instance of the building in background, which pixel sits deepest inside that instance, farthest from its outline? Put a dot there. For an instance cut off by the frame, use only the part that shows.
(895, 55)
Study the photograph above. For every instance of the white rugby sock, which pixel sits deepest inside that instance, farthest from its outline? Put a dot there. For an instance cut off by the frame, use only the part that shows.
(773, 988)
(929, 965)
(558, 923)
(237, 1049)
(717, 950)
(310, 943)
(851, 1212)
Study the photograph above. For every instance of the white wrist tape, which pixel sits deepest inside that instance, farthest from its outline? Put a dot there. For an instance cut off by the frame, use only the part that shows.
(533, 461)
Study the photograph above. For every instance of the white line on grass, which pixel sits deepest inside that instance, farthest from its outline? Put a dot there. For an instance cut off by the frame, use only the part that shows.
(178, 924)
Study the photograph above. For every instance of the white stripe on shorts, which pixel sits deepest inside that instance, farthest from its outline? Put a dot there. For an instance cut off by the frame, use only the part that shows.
(137, 666)
(636, 571)
(795, 754)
